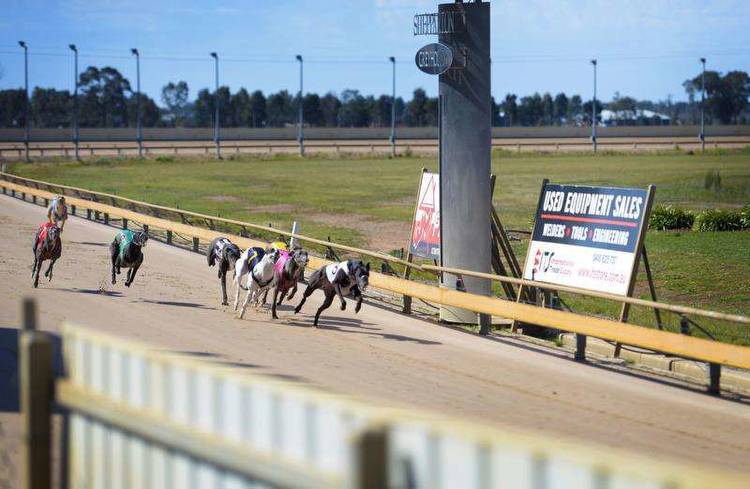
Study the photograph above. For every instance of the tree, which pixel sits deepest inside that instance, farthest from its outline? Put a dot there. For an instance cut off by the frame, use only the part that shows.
(575, 108)
(329, 107)
(548, 109)
(381, 113)
(203, 110)
(587, 111)
(103, 94)
(258, 109)
(175, 96)
(311, 109)
(241, 108)
(12, 108)
(531, 110)
(726, 96)
(510, 107)
(561, 108)
(354, 110)
(150, 113)
(416, 112)
(280, 109)
(50, 107)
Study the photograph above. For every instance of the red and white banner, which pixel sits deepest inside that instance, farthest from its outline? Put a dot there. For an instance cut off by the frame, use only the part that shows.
(425, 238)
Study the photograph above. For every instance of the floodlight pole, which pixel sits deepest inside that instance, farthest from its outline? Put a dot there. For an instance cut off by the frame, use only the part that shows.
(702, 135)
(138, 134)
(593, 110)
(217, 135)
(301, 130)
(27, 122)
(393, 108)
(76, 134)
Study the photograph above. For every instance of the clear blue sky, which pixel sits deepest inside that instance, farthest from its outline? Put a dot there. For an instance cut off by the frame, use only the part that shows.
(646, 48)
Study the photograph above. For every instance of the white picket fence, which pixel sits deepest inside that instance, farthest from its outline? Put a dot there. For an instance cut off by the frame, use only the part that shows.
(141, 417)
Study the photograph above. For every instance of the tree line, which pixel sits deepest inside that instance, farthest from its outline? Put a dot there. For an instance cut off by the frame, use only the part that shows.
(107, 99)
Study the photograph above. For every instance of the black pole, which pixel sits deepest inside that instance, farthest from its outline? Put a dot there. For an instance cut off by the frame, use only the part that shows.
(138, 135)
(593, 110)
(26, 120)
(393, 108)
(702, 135)
(217, 135)
(76, 135)
(301, 130)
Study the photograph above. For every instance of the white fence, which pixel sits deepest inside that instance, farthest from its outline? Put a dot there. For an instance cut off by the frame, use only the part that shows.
(140, 417)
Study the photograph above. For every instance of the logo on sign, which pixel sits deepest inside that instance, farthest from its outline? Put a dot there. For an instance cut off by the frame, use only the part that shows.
(434, 59)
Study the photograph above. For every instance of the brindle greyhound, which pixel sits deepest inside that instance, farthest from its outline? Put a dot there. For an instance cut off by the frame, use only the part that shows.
(288, 270)
(227, 254)
(125, 252)
(47, 246)
(349, 277)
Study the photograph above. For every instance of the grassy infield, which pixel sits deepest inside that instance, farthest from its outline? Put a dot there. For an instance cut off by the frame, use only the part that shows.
(698, 269)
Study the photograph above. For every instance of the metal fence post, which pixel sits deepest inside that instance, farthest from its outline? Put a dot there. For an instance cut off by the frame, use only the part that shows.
(106, 218)
(124, 223)
(88, 214)
(195, 244)
(580, 354)
(169, 237)
(35, 367)
(73, 210)
(714, 377)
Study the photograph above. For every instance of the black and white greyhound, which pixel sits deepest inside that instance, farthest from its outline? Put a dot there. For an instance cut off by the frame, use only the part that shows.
(226, 254)
(349, 277)
(47, 246)
(125, 251)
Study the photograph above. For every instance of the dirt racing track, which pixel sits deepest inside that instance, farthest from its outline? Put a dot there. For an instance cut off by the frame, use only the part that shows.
(379, 355)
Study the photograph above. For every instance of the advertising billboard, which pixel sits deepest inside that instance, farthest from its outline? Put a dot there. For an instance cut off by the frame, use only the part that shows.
(587, 237)
(425, 235)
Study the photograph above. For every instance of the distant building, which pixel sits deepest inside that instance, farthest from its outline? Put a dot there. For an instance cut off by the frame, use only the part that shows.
(638, 117)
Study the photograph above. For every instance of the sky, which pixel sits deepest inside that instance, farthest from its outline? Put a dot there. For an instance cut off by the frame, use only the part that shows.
(645, 48)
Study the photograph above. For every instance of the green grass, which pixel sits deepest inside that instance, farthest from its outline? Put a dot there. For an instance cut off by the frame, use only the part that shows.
(697, 269)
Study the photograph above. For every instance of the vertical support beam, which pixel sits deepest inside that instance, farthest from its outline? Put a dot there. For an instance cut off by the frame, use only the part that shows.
(195, 244)
(73, 210)
(88, 214)
(714, 379)
(465, 151)
(124, 223)
(652, 288)
(580, 354)
(169, 237)
(106, 218)
(35, 366)
(145, 228)
(370, 467)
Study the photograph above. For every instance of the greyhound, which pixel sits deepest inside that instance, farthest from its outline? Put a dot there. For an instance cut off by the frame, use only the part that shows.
(47, 246)
(259, 279)
(125, 252)
(349, 277)
(289, 269)
(227, 254)
(249, 258)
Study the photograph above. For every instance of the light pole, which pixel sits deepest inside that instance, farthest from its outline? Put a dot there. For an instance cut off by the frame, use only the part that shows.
(27, 122)
(593, 110)
(301, 130)
(393, 108)
(702, 135)
(76, 135)
(138, 134)
(217, 135)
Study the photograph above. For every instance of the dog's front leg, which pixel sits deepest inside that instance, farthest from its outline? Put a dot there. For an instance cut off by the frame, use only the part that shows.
(339, 293)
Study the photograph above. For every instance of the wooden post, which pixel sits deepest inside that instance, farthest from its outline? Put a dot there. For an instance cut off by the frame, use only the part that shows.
(35, 367)
(195, 244)
(88, 214)
(124, 223)
(639, 249)
(73, 210)
(145, 228)
(652, 287)
(169, 237)
(580, 354)
(406, 307)
(106, 218)
(370, 468)
(521, 288)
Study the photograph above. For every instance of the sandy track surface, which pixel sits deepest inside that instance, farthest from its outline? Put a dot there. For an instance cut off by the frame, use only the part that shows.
(377, 355)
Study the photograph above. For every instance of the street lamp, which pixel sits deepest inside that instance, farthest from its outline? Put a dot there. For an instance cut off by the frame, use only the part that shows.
(138, 134)
(76, 135)
(393, 108)
(27, 122)
(216, 108)
(702, 135)
(593, 110)
(301, 131)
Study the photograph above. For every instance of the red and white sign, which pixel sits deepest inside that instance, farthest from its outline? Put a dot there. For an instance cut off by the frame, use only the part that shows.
(425, 238)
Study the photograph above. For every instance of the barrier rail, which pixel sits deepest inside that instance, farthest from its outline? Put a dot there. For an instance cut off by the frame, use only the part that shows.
(680, 345)
(145, 417)
(338, 146)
